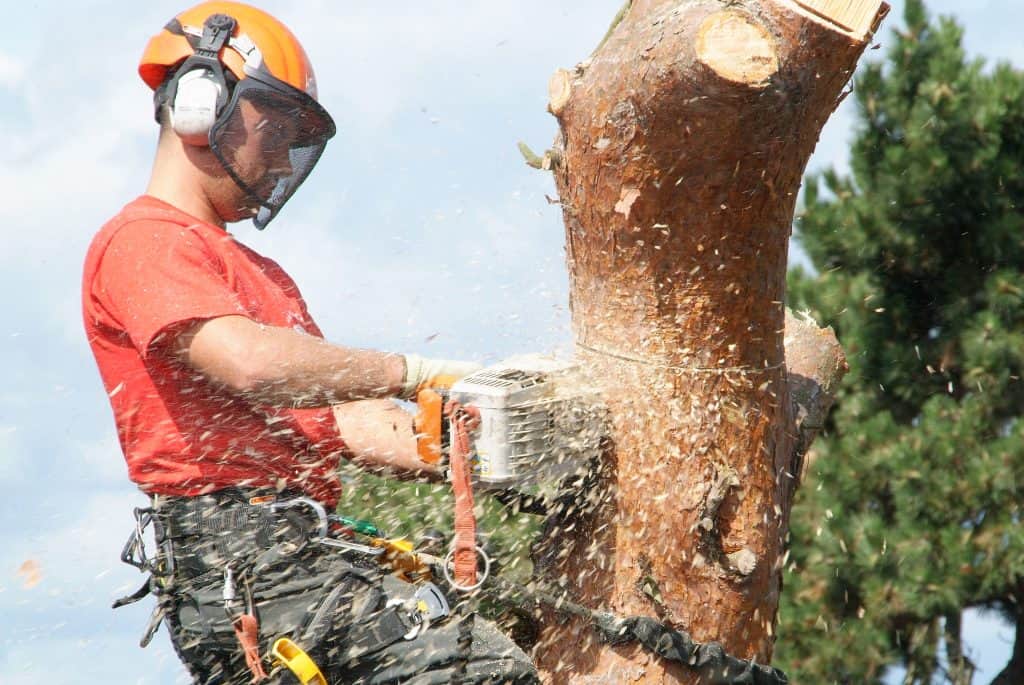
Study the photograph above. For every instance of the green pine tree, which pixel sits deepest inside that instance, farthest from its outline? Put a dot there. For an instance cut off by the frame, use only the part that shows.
(911, 508)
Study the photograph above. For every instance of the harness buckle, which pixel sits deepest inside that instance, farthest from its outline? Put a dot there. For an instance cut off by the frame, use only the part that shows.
(426, 605)
(449, 564)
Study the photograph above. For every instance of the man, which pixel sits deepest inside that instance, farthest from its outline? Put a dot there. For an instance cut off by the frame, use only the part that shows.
(231, 409)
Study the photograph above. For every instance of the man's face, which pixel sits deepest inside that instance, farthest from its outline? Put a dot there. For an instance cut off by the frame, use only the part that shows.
(268, 141)
(262, 158)
(256, 145)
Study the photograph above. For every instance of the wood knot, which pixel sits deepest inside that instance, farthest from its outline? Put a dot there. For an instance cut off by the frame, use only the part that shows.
(743, 561)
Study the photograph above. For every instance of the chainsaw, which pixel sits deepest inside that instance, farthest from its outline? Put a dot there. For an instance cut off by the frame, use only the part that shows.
(539, 421)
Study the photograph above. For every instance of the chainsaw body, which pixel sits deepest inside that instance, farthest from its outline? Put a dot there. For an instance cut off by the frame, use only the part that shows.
(539, 421)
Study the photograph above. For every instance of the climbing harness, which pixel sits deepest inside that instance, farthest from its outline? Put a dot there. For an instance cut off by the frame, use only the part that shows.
(406, 619)
(305, 522)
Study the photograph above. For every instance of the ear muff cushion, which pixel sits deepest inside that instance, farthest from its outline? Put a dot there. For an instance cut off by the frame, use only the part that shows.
(195, 105)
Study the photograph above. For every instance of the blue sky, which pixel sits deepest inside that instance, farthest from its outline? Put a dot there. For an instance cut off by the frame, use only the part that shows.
(420, 204)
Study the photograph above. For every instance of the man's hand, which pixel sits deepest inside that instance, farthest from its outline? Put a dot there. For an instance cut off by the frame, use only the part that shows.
(380, 436)
(425, 373)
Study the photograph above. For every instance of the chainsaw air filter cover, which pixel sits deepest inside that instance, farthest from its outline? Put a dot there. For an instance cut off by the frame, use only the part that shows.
(539, 421)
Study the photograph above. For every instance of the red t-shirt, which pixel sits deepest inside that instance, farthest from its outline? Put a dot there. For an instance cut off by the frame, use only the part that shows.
(149, 271)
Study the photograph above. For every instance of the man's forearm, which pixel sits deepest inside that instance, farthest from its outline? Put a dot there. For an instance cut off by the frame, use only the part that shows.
(281, 367)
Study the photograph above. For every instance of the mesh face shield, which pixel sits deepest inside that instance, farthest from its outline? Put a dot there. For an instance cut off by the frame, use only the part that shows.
(269, 138)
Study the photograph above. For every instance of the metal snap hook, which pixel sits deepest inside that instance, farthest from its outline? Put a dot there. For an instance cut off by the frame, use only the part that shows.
(449, 561)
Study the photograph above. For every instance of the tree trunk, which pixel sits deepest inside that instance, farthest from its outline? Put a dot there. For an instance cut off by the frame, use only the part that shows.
(1013, 672)
(681, 147)
(960, 670)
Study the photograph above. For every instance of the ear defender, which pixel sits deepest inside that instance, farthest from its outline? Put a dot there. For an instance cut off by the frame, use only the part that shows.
(199, 92)
(194, 109)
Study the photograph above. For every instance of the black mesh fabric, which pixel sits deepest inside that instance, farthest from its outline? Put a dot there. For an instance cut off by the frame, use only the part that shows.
(269, 140)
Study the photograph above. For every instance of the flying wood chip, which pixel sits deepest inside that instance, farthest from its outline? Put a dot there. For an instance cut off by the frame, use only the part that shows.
(626, 200)
(31, 573)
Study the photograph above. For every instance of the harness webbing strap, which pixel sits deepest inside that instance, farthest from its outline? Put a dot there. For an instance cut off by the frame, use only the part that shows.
(381, 630)
(710, 660)
(134, 597)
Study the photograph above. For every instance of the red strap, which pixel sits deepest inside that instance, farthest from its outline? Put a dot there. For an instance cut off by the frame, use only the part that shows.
(461, 418)
(247, 631)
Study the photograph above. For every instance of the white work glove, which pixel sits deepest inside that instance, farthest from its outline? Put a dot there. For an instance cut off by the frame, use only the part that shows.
(425, 373)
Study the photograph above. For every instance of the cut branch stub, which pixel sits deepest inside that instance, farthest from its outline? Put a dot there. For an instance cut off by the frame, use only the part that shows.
(737, 48)
(683, 143)
(559, 90)
(815, 365)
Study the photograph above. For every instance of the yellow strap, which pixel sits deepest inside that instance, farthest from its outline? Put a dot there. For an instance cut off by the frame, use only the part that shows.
(400, 554)
(297, 661)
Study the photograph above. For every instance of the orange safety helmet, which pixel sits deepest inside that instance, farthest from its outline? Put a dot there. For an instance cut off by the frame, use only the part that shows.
(283, 55)
(213, 61)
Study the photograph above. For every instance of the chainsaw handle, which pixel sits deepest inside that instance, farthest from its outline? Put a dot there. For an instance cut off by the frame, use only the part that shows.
(430, 422)
(429, 425)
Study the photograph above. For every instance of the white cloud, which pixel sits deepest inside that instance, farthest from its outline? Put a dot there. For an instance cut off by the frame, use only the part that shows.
(12, 457)
(374, 63)
(12, 71)
(76, 554)
(102, 459)
(88, 657)
(58, 177)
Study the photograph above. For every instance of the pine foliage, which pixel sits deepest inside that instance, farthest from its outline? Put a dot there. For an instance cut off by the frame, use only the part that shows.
(911, 510)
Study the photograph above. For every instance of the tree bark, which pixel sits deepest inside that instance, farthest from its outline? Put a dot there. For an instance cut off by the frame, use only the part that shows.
(681, 147)
(815, 364)
(960, 669)
(1013, 672)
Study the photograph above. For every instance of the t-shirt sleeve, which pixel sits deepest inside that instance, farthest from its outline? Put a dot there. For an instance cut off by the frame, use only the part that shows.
(157, 275)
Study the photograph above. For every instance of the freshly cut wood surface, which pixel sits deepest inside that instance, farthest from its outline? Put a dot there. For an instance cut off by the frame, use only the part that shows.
(559, 88)
(737, 48)
(853, 15)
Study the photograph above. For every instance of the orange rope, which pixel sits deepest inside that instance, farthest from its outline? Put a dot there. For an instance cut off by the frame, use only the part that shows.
(247, 631)
(462, 420)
